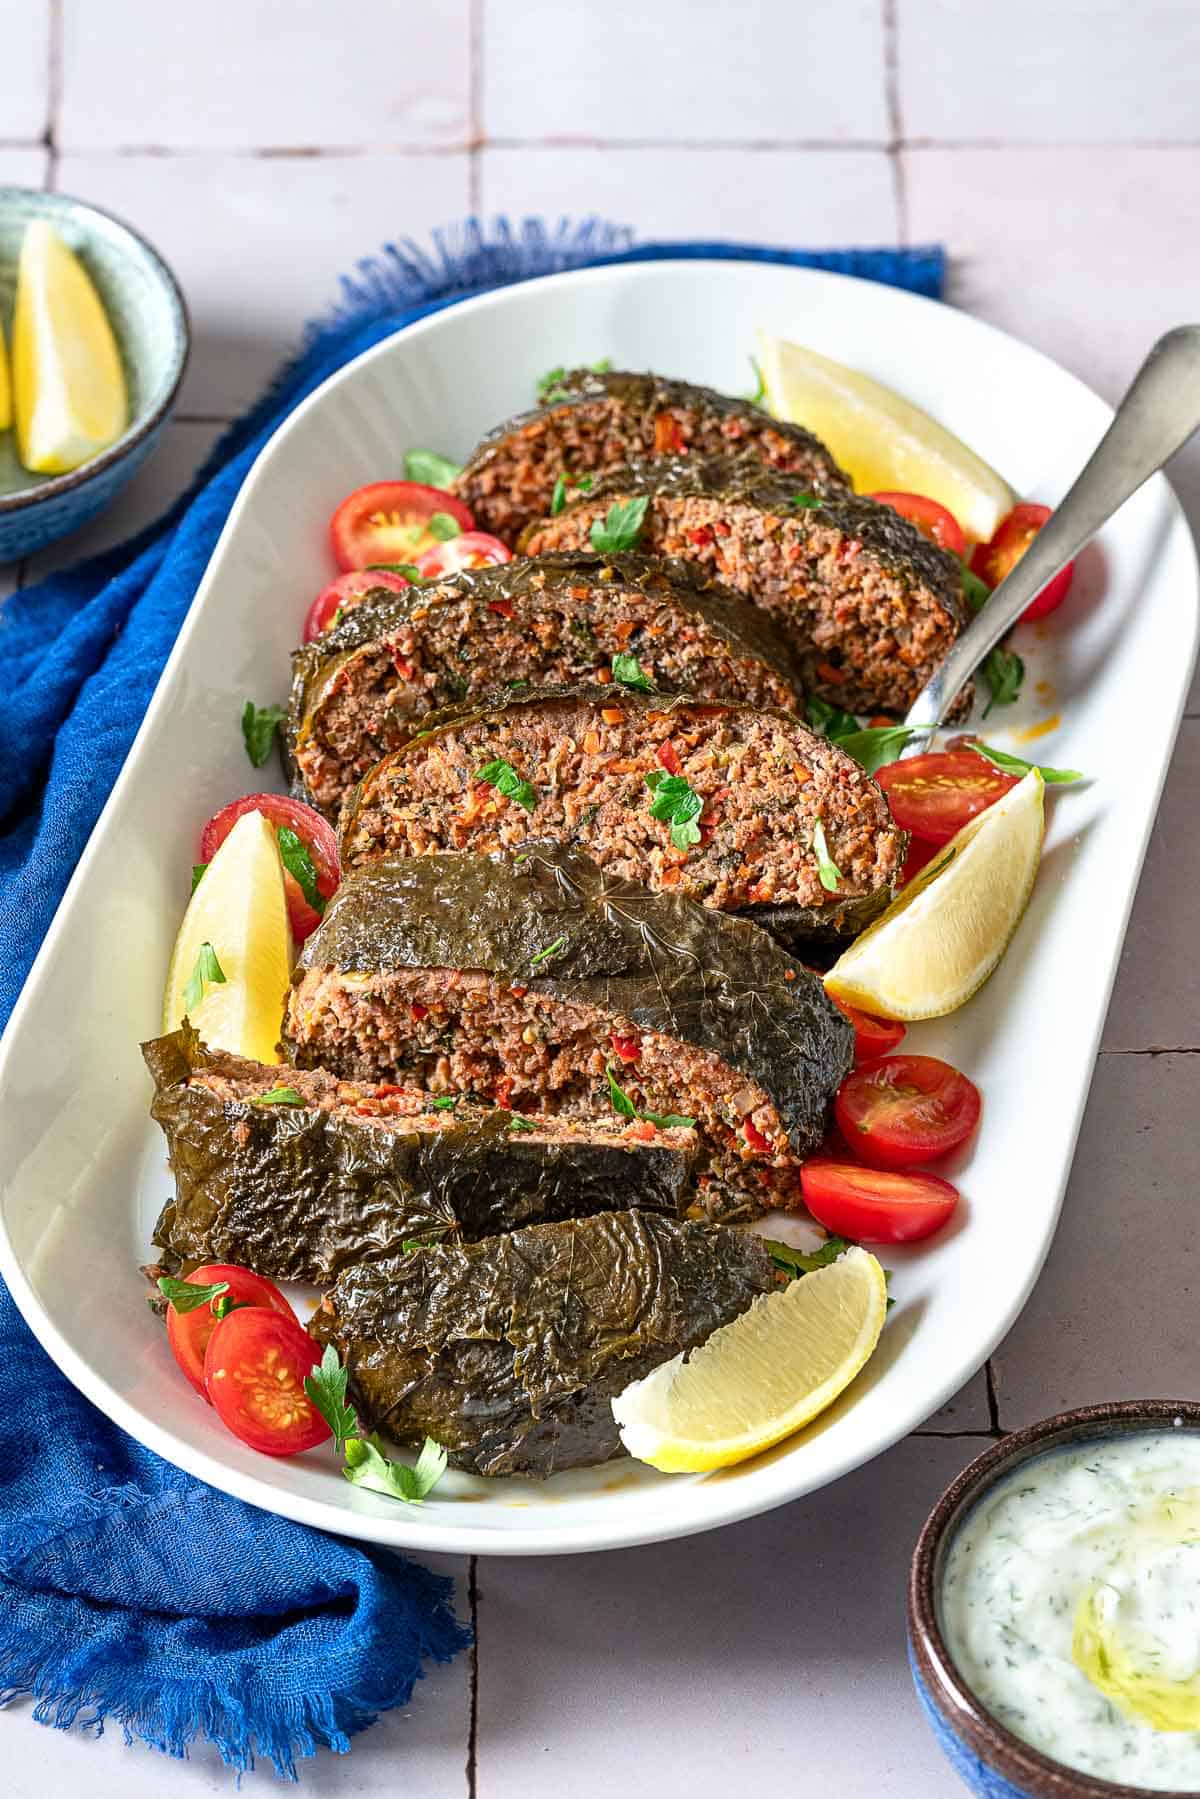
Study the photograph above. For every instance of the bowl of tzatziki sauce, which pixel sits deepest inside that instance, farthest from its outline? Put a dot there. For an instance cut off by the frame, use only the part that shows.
(1054, 1608)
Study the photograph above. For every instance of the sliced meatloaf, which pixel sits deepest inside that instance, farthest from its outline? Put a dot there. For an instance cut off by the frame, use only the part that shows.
(544, 985)
(555, 619)
(297, 1173)
(871, 607)
(510, 1352)
(592, 421)
(738, 807)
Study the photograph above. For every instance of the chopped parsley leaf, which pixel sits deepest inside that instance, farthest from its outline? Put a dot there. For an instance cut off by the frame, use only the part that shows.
(326, 1387)
(504, 778)
(429, 467)
(827, 868)
(294, 854)
(259, 725)
(628, 671)
(445, 1102)
(551, 949)
(198, 869)
(442, 526)
(1003, 672)
(206, 972)
(827, 720)
(621, 1103)
(621, 526)
(188, 1296)
(517, 1123)
(806, 501)
(758, 397)
(280, 1096)
(1016, 765)
(874, 744)
(796, 1262)
(975, 592)
(367, 1466)
(677, 804)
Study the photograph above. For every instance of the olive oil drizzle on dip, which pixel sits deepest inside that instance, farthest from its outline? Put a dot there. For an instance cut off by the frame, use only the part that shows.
(1070, 1603)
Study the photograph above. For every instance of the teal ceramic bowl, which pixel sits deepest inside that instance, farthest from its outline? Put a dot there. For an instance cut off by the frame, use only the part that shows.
(150, 321)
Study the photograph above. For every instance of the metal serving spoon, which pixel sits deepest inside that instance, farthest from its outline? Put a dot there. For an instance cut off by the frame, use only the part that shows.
(1156, 418)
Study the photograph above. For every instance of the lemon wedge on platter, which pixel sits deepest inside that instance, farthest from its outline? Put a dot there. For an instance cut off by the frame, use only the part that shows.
(762, 1377)
(884, 442)
(941, 938)
(232, 959)
(68, 383)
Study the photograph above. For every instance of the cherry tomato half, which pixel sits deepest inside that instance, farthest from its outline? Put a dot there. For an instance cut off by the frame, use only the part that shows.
(872, 1036)
(932, 521)
(254, 1372)
(874, 1205)
(992, 561)
(313, 831)
(388, 521)
(188, 1333)
(473, 549)
(901, 1110)
(344, 594)
(934, 796)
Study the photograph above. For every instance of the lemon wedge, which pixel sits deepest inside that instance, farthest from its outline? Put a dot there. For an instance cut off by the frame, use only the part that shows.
(238, 915)
(5, 387)
(68, 383)
(940, 938)
(762, 1377)
(883, 441)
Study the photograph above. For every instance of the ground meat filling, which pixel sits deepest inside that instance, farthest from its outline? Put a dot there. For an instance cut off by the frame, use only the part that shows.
(510, 480)
(763, 780)
(465, 1032)
(463, 645)
(868, 631)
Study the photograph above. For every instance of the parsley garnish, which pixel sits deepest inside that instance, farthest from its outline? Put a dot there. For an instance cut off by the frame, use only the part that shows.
(874, 745)
(975, 592)
(259, 725)
(795, 1262)
(551, 949)
(367, 1466)
(442, 526)
(409, 570)
(198, 869)
(504, 778)
(188, 1296)
(806, 501)
(760, 386)
(280, 1096)
(293, 853)
(1016, 765)
(326, 1387)
(517, 1123)
(445, 1102)
(558, 499)
(429, 467)
(676, 804)
(628, 671)
(621, 1102)
(827, 720)
(620, 527)
(207, 972)
(1003, 672)
(550, 386)
(827, 868)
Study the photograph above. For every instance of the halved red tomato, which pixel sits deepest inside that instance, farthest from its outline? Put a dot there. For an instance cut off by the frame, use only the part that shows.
(918, 855)
(901, 1110)
(934, 796)
(932, 521)
(188, 1333)
(389, 521)
(1014, 534)
(872, 1036)
(254, 1372)
(874, 1205)
(474, 549)
(344, 594)
(314, 833)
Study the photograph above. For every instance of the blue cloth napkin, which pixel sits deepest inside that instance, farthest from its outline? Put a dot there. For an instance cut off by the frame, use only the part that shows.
(277, 1638)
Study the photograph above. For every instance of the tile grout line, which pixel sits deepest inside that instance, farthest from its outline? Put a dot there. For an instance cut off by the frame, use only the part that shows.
(54, 74)
(475, 105)
(891, 96)
(1153, 1049)
(472, 1769)
(993, 1397)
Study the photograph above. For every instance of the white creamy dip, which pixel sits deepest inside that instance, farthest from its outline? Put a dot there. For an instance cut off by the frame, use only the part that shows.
(1088, 1555)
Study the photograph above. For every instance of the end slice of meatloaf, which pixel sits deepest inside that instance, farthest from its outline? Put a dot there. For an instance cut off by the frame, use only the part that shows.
(544, 985)
(510, 1352)
(871, 607)
(555, 619)
(596, 421)
(340, 1172)
(737, 807)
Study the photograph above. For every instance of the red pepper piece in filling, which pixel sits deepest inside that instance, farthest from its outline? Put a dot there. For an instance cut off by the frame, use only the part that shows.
(503, 1092)
(505, 608)
(762, 1146)
(668, 755)
(419, 1012)
(701, 536)
(628, 1048)
(668, 438)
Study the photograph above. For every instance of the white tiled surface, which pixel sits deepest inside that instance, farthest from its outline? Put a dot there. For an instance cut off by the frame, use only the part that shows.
(1054, 149)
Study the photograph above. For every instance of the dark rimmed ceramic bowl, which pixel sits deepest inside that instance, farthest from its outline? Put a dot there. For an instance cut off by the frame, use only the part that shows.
(149, 318)
(988, 1757)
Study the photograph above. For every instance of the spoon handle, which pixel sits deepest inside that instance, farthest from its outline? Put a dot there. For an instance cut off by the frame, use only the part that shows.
(1157, 416)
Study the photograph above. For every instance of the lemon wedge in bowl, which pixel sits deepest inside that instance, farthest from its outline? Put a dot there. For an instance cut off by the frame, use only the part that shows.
(940, 938)
(69, 390)
(762, 1377)
(884, 442)
(232, 959)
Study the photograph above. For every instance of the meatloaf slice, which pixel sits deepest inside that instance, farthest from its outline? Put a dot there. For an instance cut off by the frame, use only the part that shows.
(555, 619)
(329, 1172)
(774, 809)
(510, 1352)
(542, 984)
(596, 421)
(871, 606)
